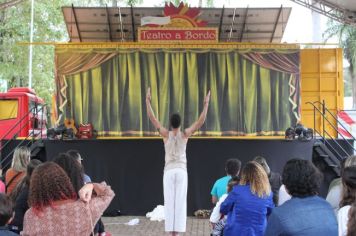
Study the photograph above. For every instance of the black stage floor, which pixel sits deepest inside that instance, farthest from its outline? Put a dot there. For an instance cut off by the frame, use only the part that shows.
(134, 167)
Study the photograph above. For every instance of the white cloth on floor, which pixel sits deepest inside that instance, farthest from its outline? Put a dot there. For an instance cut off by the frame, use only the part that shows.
(175, 184)
(157, 214)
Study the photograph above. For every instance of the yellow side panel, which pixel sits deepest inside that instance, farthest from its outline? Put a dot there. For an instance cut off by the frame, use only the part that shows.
(8, 109)
(321, 81)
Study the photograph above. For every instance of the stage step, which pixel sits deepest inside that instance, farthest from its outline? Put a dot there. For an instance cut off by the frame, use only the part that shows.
(324, 154)
(36, 148)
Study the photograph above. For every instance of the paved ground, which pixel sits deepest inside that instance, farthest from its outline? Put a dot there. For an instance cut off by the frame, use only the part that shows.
(116, 226)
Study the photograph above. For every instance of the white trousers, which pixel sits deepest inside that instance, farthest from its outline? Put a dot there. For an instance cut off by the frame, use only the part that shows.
(175, 184)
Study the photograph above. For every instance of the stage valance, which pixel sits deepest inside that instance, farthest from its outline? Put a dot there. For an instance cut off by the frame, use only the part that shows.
(254, 91)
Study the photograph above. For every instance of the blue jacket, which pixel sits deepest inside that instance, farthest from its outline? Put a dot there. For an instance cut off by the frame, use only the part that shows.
(246, 212)
(308, 216)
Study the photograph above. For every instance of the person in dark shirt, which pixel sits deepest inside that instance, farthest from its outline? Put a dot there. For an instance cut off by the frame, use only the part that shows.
(274, 178)
(6, 215)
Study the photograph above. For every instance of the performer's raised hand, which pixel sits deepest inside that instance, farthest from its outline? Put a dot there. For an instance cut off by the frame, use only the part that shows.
(207, 98)
(148, 95)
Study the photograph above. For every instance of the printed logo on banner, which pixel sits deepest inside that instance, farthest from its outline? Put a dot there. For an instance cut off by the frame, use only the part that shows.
(180, 24)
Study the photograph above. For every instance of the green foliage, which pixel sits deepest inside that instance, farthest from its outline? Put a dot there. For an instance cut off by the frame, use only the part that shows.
(347, 40)
(49, 26)
(347, 83)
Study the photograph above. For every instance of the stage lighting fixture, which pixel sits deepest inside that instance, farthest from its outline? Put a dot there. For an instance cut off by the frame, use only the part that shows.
(60, 132)
(290, 134)
(303, 133)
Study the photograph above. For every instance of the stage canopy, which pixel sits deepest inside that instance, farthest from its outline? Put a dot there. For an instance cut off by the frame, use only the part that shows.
(113, 24)
(343, 11)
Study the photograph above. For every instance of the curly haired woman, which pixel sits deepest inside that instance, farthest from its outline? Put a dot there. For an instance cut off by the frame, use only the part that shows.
(347, 212)
(249, 203)
(55, 209)
(305, 214)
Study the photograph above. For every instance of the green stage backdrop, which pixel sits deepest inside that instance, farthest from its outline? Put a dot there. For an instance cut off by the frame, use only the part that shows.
(253, 92)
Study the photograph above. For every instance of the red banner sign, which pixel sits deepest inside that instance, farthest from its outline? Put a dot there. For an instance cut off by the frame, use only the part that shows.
(178, 34)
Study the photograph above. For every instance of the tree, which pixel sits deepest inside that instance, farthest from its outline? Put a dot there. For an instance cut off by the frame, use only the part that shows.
(10, 4)
(48, 27)
(347, 40)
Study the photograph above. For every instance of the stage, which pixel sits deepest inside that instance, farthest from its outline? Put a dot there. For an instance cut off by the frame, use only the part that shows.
(134, 167)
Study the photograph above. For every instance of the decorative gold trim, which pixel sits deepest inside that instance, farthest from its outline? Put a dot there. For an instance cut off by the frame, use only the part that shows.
(137, 134)
(197, 137)
(177, 45)
(136, 45)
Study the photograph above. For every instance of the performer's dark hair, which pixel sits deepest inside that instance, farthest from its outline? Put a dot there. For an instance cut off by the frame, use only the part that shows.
(175, 120)
(233, 166)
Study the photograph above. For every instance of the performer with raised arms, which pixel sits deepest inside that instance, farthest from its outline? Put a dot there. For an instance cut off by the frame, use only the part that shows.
(175, 179)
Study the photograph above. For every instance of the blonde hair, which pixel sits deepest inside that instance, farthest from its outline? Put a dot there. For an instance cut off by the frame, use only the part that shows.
(21, 158)
(254, 175)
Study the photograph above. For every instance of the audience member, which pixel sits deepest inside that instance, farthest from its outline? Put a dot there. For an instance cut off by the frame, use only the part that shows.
(305, 214)
(274, 178)
(335, 188)
(232, 168)
(76, 155)
(54, 207)
(347, 212)
(2, 184)
(6, 215)
(73, 170)
(71, 163)
(20, 160)
(20, 196)
(249, 203)
(218, 220)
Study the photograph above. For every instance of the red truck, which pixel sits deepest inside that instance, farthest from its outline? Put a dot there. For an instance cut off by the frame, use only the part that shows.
(22, 113)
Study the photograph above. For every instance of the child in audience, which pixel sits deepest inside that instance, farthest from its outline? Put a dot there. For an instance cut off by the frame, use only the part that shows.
(305, 214)
(54, 207)
(249, 203)
(218, 220)
(6, 215)
(232, 168)
(347, 212)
